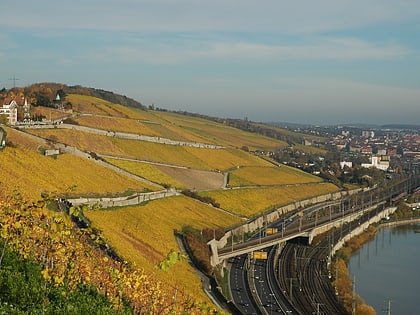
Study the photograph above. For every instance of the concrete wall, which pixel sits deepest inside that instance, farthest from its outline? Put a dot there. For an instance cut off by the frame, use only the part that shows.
(130, 136)
(134, 199)
(259, 222)
(361, 228)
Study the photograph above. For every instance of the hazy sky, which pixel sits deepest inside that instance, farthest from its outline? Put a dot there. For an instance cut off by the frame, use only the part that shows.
(304, 61)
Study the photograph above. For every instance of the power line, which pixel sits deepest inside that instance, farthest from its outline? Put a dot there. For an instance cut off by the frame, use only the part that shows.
(14, 79)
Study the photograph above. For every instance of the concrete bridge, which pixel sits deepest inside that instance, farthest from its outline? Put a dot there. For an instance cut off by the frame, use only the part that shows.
(308, 231)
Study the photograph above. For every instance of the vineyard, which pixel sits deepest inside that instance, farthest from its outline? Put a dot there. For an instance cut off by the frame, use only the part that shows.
(127, 125)
(268, 176)
(219, 133)
(144, 234)
(198, 158)
(167, 176)
(147, 273)
(69, 259)
(23, 167)
(253, 201)
(146, 170)
(93, 105)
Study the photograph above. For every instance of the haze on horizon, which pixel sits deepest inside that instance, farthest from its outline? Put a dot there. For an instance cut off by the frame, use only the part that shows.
(315, 62)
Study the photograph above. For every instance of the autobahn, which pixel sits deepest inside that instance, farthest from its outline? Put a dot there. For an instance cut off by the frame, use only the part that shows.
(296, 280)
(301, 223)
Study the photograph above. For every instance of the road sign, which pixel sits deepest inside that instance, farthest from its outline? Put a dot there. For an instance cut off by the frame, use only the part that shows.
(259, 255)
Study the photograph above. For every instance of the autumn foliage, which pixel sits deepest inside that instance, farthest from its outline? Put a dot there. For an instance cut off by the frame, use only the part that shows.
(69, 258)
(343, 282)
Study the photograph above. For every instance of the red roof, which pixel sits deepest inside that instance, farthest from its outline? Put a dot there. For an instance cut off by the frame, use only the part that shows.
(18, 100)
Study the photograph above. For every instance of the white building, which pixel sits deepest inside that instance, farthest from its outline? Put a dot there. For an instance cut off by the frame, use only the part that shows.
(346, 163)
(377, 163)
(12, 107)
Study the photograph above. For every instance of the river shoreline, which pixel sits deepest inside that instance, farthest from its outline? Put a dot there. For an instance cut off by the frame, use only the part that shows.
(378, 227)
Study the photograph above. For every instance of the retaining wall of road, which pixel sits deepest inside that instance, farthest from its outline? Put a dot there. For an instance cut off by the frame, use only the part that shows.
(267, 218)
(362, 227)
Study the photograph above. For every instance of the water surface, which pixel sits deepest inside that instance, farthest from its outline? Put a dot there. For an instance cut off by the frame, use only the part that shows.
(387, 269)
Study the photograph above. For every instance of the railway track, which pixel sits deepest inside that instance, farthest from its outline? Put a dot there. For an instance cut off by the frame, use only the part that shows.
(304, 279)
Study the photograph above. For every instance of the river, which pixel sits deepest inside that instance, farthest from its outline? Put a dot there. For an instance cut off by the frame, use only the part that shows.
(387, 269)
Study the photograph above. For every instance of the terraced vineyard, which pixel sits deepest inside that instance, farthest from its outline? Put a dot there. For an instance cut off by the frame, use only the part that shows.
(96, 106)
(25, 169)
(251, 202)
(268, 176)
(144, 234)
(219, 133)
(198, 158)
(128, 125)
(146, 170)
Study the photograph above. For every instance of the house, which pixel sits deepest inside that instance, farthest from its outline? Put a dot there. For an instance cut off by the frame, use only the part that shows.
(344, 164)
(57, 102)
(16, 109)
(381, 163)
(366, 150)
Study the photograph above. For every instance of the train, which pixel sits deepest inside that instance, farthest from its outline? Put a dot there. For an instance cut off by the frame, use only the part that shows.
(399, 197)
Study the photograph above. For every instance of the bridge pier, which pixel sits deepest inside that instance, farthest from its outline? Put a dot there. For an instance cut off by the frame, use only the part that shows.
(214, 259)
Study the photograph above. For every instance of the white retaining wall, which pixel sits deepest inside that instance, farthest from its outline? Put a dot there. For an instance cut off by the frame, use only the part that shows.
(134, 199)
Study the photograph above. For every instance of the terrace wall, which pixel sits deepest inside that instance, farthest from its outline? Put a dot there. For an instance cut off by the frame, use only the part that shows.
(134, 199)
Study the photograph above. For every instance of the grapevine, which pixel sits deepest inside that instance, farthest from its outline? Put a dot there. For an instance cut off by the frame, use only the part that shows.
(69, 258)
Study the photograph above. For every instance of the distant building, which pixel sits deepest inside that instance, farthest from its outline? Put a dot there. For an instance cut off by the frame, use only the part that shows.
(355, 148)
(368, 134)
(381, 163)
(345, 133)
(57, 102)
(366, 150)
(346, 164)
(16, 109)
(382, 151)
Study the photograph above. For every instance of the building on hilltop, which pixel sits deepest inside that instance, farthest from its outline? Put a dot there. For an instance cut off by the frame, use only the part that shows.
(16, 110)
(57, 102)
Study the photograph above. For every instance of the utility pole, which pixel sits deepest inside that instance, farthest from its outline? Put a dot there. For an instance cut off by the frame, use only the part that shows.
(354, 296)
(388, 309)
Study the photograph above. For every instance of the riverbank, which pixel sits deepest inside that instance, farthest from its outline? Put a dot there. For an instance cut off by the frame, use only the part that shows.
(343, 282)
(385, 269)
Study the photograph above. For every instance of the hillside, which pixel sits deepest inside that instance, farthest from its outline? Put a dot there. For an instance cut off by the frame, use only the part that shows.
(43, 94)
(111, 150)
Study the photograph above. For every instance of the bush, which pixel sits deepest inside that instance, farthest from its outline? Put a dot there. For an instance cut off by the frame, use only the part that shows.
(23, 290)
(205, 199)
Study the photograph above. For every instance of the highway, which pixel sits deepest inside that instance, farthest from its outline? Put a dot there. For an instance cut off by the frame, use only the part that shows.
(296, 279)
(240, 289)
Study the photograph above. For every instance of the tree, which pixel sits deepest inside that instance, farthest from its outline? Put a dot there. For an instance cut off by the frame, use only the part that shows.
(41, 100)
(3, 119)
(62, 94)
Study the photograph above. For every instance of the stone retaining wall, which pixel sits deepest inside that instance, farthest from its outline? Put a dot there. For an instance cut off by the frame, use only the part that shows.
(130, 136)
(134, 199)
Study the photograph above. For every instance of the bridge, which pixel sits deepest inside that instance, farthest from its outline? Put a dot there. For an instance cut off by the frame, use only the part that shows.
(304, 230)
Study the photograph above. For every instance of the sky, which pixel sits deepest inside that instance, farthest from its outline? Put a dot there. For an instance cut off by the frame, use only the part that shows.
(317, 62)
